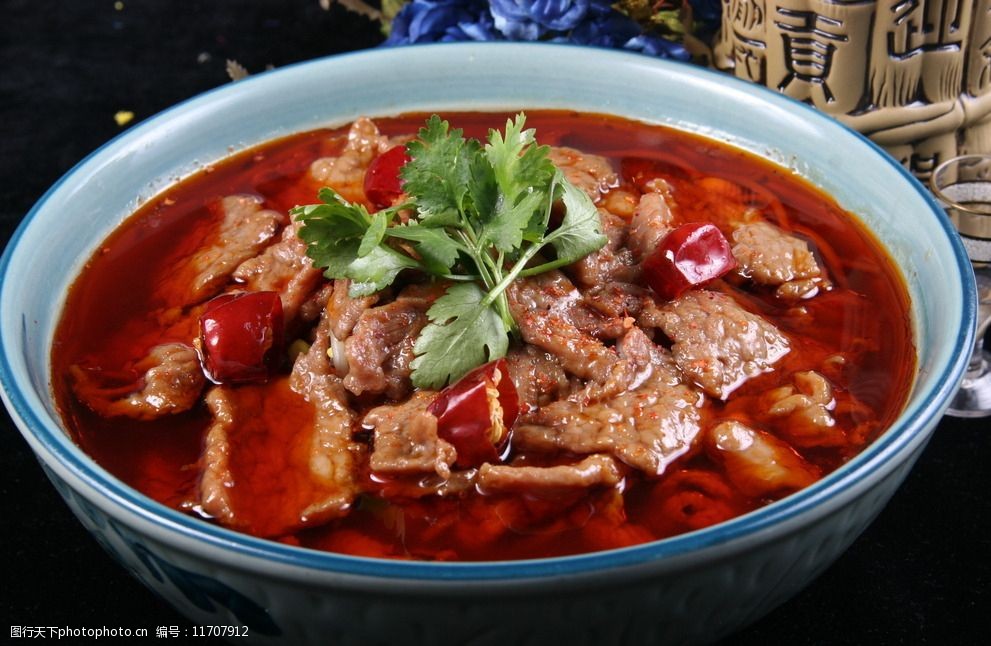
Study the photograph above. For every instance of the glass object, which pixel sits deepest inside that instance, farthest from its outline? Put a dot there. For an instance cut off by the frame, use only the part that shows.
(963, 186)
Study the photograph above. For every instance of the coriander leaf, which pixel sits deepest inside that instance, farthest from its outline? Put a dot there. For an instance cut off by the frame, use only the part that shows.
(482, 189)
(437, 173)
(376, 270)
(456, 339)
(536, 229)
(334, 256)
(505, 231)
(346, 242)
(375, 232)
(326, 248)
(481, 216)
(580, 232)
(348, 220)
(328, 195)
(523, 176)
(519, 162)
(332, 231)
(435, 246)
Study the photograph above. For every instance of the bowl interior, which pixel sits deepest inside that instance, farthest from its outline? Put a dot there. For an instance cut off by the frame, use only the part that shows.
(68, 223)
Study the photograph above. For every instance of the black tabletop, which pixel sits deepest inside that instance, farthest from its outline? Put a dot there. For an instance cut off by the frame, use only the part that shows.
(920, 574)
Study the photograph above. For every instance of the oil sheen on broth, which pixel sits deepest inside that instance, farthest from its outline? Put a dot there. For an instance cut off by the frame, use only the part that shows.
(844, 378)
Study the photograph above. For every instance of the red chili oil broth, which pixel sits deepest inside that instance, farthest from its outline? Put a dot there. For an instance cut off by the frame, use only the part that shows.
(126, 297)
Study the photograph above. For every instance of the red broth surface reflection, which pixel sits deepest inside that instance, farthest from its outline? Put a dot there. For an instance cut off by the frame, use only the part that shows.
(842, 376)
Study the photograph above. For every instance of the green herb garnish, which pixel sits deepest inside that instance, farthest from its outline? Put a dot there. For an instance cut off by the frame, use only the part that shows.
(481, 217)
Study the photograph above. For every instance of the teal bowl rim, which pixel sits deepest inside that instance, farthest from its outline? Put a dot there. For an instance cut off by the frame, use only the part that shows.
(872, 463)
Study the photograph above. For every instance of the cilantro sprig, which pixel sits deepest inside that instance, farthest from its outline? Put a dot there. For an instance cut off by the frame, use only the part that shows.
(482, 218)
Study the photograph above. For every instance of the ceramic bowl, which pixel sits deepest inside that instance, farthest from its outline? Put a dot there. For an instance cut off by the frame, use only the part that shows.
(693, 587)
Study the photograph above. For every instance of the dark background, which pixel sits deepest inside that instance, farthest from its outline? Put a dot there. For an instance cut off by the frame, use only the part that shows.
(920, 574)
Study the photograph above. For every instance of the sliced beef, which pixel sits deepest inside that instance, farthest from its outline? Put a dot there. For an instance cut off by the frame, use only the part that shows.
(621, 201)
(594, 322)
(287, 445)
(216, 485)
(285, 268)
(244, 231)
(758, 463)
(313, 307)
(537, 375)
(346, 172)
(718, 344)
(422, 485)
(795, 290)
(629, 241)
(617, 300)
(552, 292)
(542, 307)
(613, 262)
(591, 173)
(571, 327)
(405, 439)
(652, 220)
(546, 292)
(770, 256)
(334, 457)
(646, 427)
(345, 311)
(380, 348)
(593, 471)
(810, 397)
(171, 383)
(806, 407)
(291, 461)
(638, 359)
(651, 315)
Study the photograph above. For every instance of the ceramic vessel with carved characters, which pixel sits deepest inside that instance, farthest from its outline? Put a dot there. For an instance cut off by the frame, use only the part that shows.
(913, 75)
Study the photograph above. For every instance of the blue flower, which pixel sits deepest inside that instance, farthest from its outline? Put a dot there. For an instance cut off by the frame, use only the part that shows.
(608, 28)
(480, 29)
(429, 21)
(582, 22)
(531, 19)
